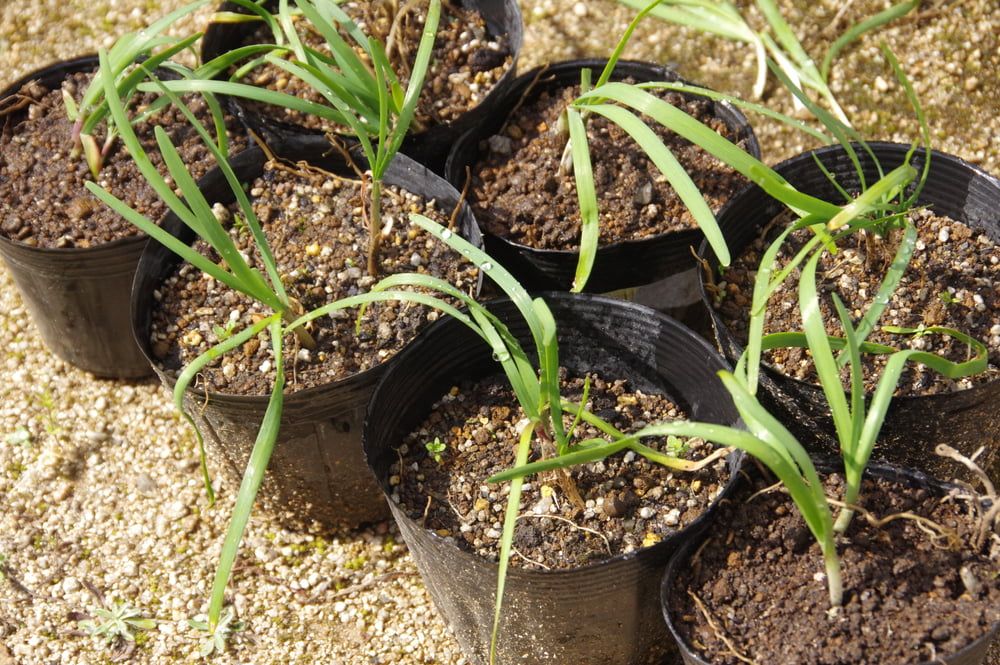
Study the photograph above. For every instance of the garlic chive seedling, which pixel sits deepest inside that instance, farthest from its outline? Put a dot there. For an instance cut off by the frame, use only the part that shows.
(536, 387)
(363, 92)
(770, 442)
(793, 67)
(287, 317)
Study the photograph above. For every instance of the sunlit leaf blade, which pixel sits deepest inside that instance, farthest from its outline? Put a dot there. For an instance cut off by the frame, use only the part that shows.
(587, 196)
(267, 435)
(507, 536)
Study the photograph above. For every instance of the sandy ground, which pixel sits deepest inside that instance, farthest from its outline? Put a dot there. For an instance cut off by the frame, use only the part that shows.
(99, 486)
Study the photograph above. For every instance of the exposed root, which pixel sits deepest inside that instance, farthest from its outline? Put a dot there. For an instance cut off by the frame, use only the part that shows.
(832, 28)
(766, 490)
(718, 631)
(453, 220)
(397, 21)
(531, 561)
(988, 520)
(698, 465)
(706, 270)
(928, 526)
(355, 588)
(427, 510)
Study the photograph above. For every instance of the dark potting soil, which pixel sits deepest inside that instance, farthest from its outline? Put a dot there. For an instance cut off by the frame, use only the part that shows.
(43, 200)
(518, 193)
(465, 64)
(313, 222)
(953, 280)
(629, 502)
(760, 577)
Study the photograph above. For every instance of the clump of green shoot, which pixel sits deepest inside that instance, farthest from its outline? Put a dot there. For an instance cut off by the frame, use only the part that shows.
(149, 46)
(536, 387)
(265, 287)
(362, 90)
(770, 442)
(576, 156)
(622, 104)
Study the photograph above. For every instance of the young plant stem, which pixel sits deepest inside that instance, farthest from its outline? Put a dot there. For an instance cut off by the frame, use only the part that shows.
(375, 227)
(834, 581)
(844, 517)
(289, 315)
(560, 476)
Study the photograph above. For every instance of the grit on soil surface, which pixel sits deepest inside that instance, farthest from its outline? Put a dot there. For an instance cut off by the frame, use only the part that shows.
(99, 481)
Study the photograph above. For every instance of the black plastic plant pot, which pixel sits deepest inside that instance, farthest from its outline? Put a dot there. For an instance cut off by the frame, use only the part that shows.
(974, 653)
(317, 477)
(601, 613)
(429, 147)
(658, 271)
(914, 426)
(78, 297)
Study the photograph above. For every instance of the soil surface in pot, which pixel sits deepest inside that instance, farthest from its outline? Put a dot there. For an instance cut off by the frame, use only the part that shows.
(953, 280)
(518, 193)
(43, 200)
(313, 222)
(760, 578)
(629, 502)
(467, 62)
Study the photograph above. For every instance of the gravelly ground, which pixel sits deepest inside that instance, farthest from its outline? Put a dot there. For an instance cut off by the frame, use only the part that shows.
(104, 491)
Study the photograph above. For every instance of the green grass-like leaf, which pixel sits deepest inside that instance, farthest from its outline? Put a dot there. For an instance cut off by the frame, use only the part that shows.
(587, 196)
(252, 478)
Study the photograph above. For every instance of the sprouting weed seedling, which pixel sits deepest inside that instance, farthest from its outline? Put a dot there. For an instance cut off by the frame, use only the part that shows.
(116, 622)
(224, 333)
(948, 298)
(215, 639)
(676, 446)
(47, 402)
(435, 448)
